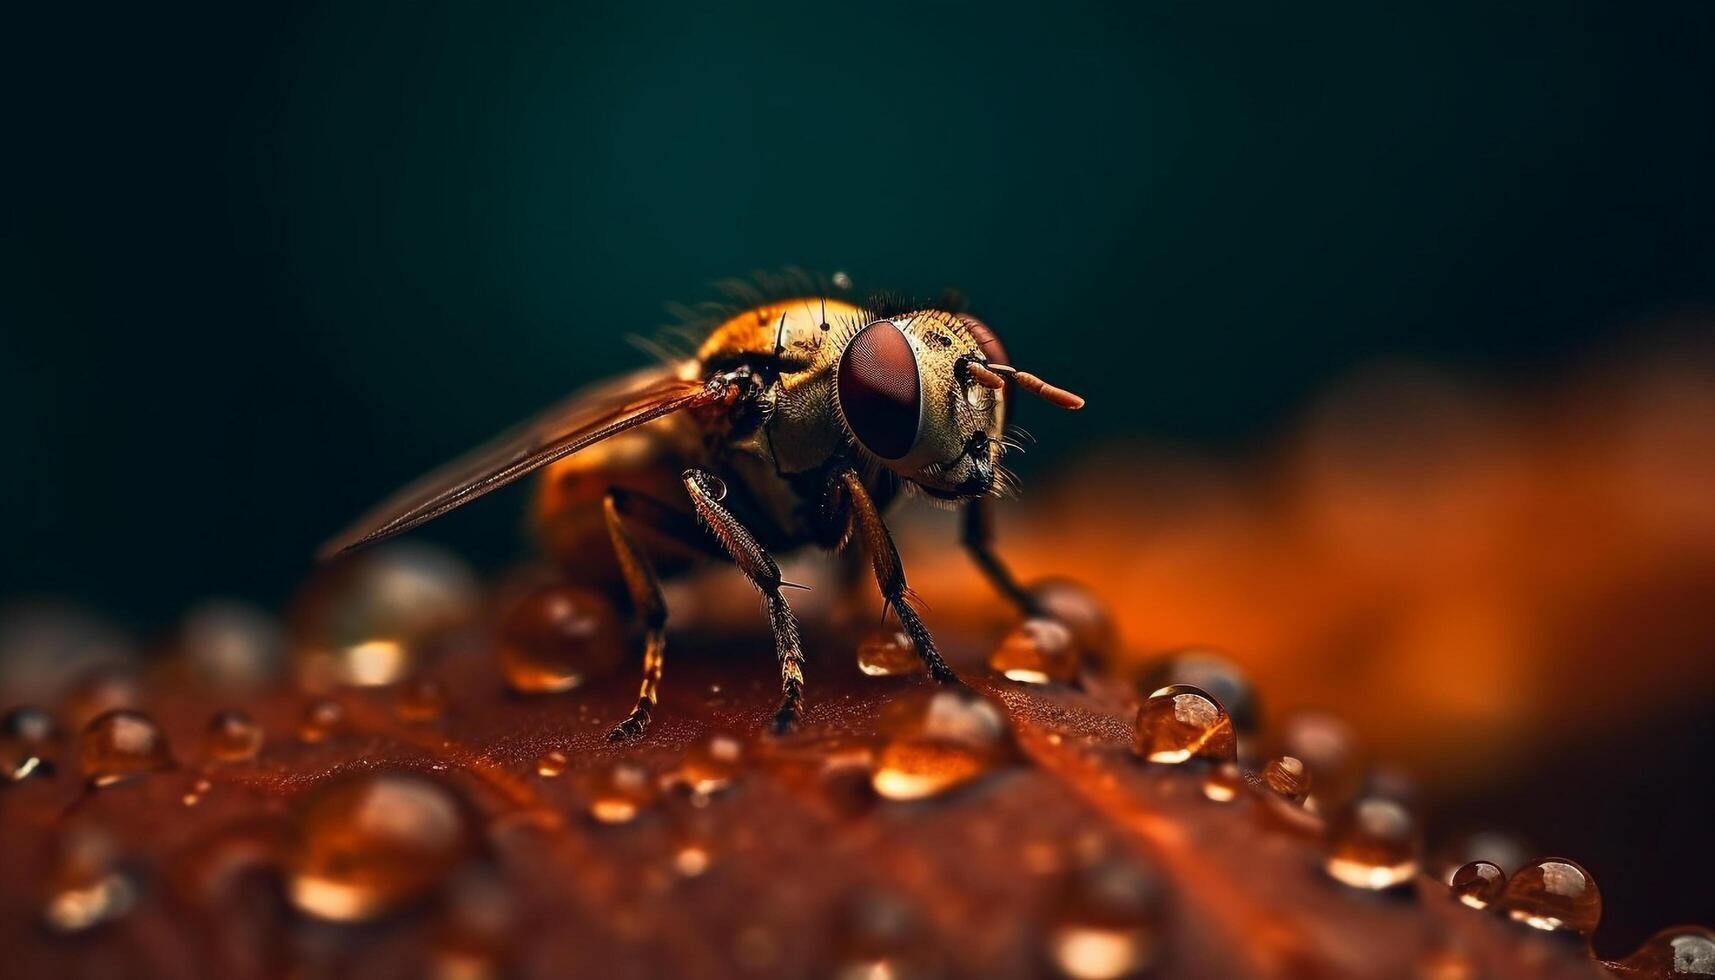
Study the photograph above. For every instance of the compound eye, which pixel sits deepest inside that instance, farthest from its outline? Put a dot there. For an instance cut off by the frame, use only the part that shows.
(879, 390)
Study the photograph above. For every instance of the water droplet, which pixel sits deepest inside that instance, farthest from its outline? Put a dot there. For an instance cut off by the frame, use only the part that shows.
(475, 935)
(198, 789)
(940, 740)
(365, 619)
(1105, 923)
(1392, 783)
(120, 744)
(888, 653)
(232, 646)
(99, 691)
(1081, 611)
(558, 636)
(1554, 895)
(1373, 844)
(26, 735)
(1501, 850)
(708, 767)
(1224, 783)
(372, 843)
(1209, 671)
(1477, 884)
(1180, 722)
(421, 700)
(618, 793)
(691, 860)
(1681, 951)
(878, 936)
(551, 764)
(86, 887)
(1037, 651)
(842, 280)
(321, 719)
(1329, 749)
(233, 736)
(46, 644)
(1287, 778)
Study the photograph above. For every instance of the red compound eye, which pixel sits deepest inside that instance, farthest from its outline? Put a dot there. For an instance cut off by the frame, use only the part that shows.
(879, 390)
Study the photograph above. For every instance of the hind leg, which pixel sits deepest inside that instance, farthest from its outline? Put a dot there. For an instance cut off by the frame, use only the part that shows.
(645, 589)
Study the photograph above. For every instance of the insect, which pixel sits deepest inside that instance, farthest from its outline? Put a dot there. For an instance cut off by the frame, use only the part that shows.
(796, 422)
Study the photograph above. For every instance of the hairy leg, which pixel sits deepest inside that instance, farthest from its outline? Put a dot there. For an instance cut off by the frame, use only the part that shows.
(890, 575)
(706, 492)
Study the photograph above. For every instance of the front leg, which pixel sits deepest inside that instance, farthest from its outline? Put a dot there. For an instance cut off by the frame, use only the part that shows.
(890, 575)
(978, 539)
(706, 492)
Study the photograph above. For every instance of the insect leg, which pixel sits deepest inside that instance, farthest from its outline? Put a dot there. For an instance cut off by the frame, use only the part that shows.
(706, 492)
(890, 576)
(978, 538)
(645, 589)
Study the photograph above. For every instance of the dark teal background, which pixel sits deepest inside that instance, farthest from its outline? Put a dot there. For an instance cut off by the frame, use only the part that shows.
(261, 265)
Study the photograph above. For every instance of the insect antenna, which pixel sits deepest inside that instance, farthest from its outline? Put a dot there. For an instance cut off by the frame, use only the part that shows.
(1052, 394)
(993, 377)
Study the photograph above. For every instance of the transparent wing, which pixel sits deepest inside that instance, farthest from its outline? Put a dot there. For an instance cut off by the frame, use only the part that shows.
(581, 420)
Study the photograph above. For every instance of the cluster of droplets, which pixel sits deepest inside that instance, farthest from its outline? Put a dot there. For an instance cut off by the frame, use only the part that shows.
(1372, 840)
(366, 845)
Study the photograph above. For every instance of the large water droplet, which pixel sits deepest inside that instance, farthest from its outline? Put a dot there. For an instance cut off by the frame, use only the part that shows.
(233, 736)
(558, 636)
(1681, 951)
(1477, 884)
(618, 793)
(1179, 722)
(1554, 895)
(1287, 778)
(1212, 672)
(120, 744)
(1037, 651)
(888, 653)
(1373, 844)
(365, 619)
(940, 740)
(1105, 924)
(369, 844)
(26, 743)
